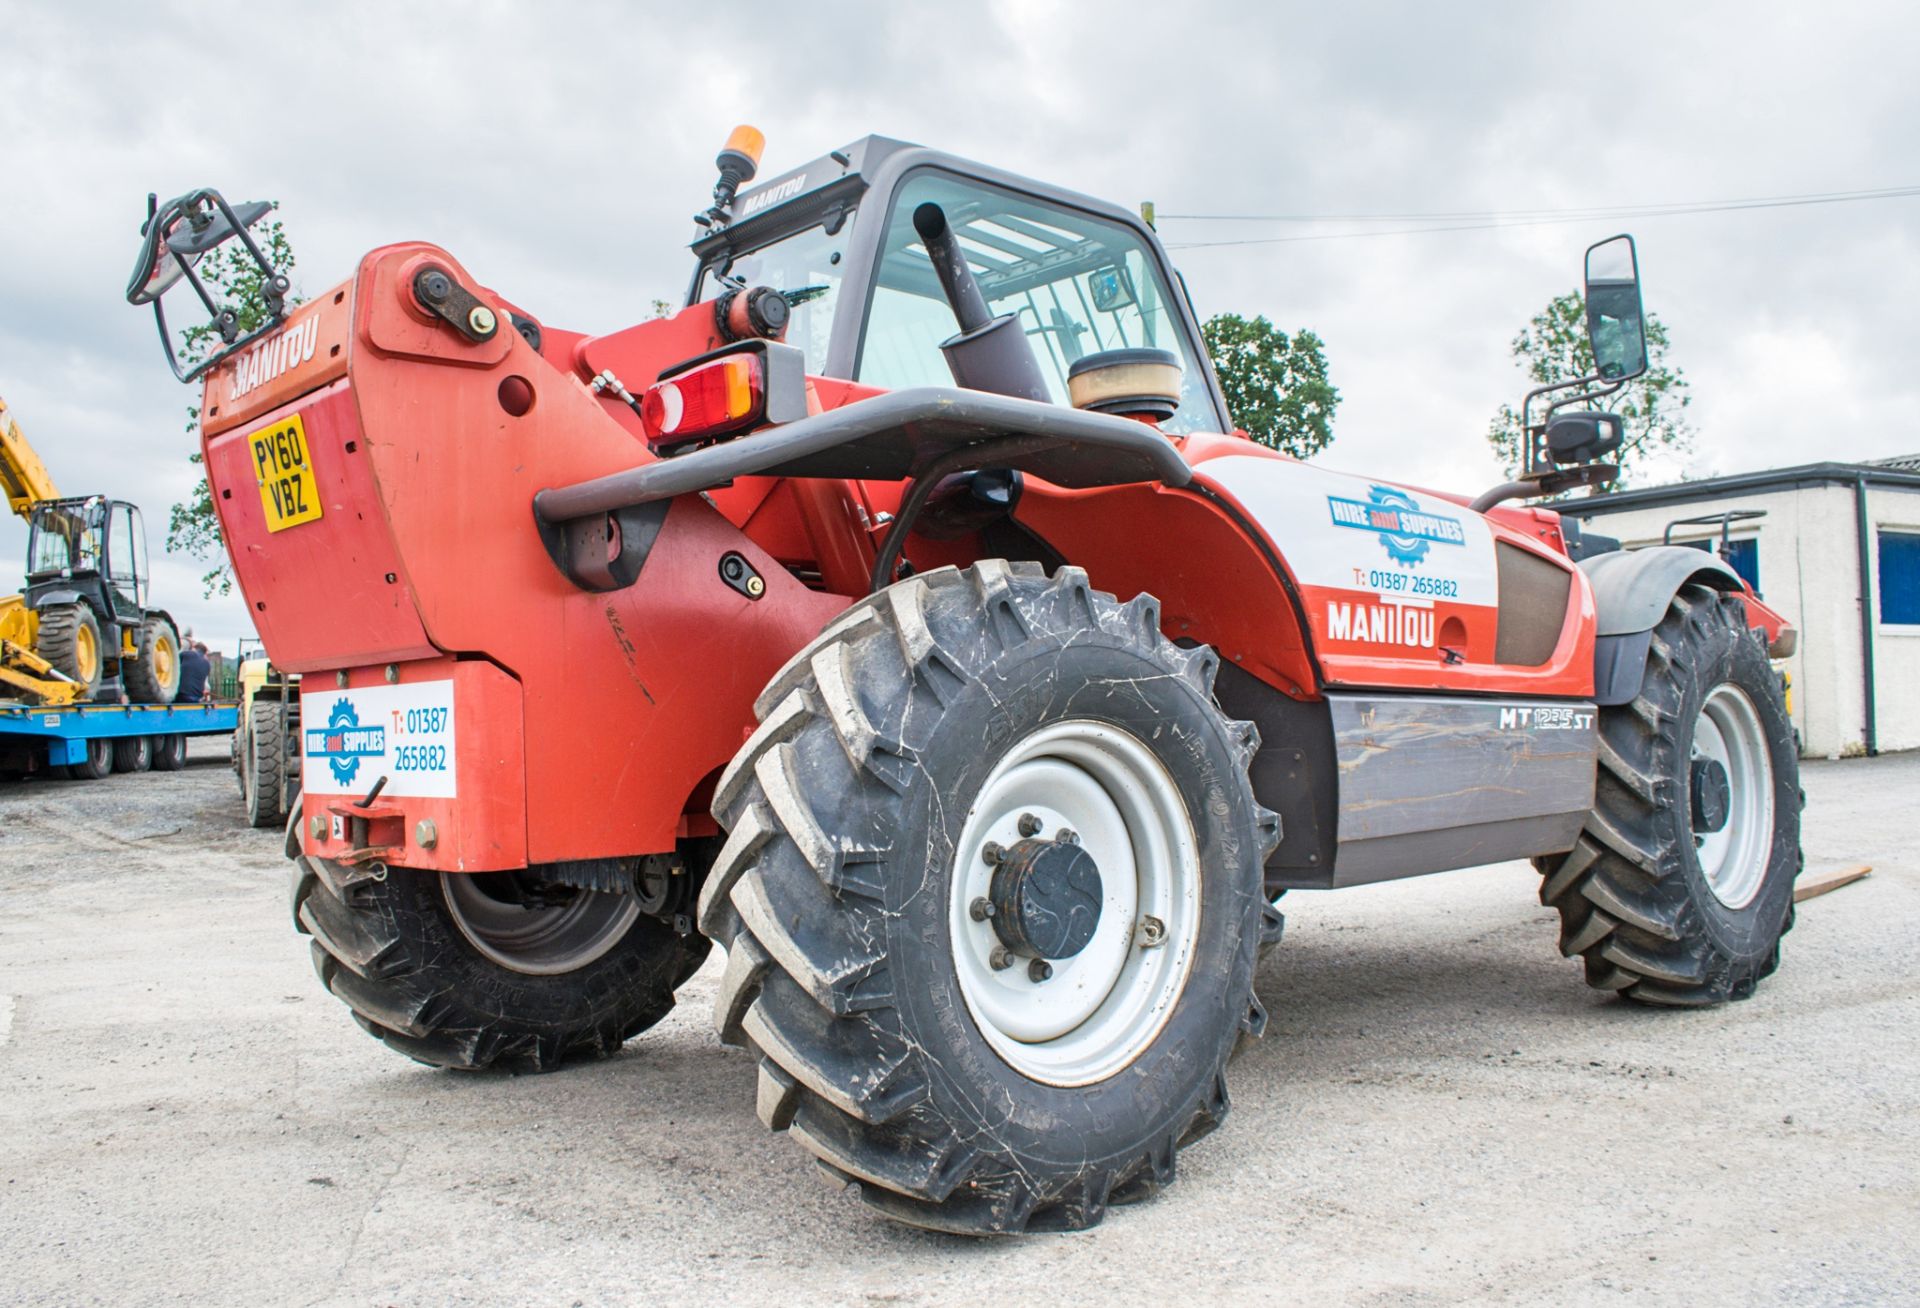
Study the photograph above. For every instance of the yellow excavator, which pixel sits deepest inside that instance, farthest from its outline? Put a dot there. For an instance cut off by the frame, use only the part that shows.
(82, 630)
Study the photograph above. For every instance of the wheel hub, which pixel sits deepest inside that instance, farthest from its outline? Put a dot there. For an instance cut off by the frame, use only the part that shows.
(1047, 896)
(1712, 795)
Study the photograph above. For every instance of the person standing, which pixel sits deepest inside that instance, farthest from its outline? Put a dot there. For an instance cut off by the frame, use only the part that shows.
(194, 667)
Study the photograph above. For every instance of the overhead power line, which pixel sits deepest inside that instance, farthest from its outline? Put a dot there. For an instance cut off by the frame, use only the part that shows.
(1491, 219)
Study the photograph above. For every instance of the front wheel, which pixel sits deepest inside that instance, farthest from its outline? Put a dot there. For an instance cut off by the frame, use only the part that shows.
(992, 900)
(1681, 884)
(153, 673)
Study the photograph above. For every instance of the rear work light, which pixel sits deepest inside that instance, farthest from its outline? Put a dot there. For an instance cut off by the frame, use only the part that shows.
(724, 395)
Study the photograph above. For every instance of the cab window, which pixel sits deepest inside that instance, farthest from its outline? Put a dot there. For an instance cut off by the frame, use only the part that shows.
(1079, 284)
(806, 266)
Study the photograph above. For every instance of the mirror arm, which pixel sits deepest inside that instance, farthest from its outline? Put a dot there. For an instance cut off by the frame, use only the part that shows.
(1598, 392)
(1531, 432)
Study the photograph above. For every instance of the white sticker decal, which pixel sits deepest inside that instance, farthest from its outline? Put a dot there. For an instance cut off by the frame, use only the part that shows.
(1349, 533)
(352, 738)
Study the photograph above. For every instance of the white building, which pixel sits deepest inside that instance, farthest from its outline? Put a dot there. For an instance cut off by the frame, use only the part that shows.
(1823, 537)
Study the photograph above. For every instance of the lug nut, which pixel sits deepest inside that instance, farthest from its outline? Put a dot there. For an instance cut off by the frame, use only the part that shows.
(1068, 836)
(1039, 970)
(993, 853)
(980, 909)
(1153, 932)
(1000, 959)
(1029, 825)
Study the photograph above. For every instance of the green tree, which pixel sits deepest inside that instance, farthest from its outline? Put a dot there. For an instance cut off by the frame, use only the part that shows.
(1554, 347)
(231, 276)
(1276, 385)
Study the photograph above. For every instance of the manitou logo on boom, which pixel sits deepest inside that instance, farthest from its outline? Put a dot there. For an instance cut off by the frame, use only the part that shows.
(269, 359)
(1381, 624)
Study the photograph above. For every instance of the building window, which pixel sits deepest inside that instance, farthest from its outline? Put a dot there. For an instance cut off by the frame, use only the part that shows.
(1743, 556)
(1900, 578)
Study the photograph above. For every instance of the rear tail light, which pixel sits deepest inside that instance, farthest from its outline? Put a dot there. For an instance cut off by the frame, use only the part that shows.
(721, 398)
(725, 394)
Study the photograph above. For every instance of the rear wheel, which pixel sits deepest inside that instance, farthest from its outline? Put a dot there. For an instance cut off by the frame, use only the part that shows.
(133, 754)
(1681, 884)
(69, 639)
(992, 900)
(169, 753)
(153, 673)
(261, 780)
(490, 969)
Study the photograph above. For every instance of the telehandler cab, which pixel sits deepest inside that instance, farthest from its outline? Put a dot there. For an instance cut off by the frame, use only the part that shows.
(979, 691)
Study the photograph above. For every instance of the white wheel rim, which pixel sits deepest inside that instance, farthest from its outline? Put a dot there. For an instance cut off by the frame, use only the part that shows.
(1102, 1007)
(1734, 859)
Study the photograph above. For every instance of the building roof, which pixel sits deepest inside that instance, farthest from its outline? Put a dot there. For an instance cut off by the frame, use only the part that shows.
(1902, 473)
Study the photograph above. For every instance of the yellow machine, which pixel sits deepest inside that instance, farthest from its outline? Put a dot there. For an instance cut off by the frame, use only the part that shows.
(81, 630)
(266, 738)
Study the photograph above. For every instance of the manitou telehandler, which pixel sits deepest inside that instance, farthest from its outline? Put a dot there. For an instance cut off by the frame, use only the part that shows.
(905, 615)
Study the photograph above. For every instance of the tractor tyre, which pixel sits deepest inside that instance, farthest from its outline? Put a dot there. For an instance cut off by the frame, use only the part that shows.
(133, 754)
(169, 753)
(1681, 883)
(453, 970)
(98, 763)
(261, 781)
(152, 675)
(69, 638)
(991, 898)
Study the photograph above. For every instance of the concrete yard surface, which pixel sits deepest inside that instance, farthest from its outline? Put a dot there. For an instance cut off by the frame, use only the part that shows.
(1440, 1113)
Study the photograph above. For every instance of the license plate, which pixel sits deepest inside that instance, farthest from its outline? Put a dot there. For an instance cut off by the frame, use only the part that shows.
(284, 467)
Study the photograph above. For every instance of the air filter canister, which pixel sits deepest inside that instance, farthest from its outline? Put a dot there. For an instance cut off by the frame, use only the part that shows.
(1135, 383)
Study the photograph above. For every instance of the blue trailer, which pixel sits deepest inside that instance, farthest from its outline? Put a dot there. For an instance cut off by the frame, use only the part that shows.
(87, 741)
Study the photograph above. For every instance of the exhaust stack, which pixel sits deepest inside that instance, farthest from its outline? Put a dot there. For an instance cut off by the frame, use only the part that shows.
(990, 354)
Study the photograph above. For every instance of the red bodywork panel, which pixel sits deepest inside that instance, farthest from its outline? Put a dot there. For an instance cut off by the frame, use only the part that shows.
(585, 725)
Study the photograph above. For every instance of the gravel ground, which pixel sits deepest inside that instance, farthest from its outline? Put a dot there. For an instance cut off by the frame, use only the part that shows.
(1441, 1113)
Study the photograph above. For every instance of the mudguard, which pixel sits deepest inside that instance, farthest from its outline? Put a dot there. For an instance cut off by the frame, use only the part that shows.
(1631, 591)
(46, 597)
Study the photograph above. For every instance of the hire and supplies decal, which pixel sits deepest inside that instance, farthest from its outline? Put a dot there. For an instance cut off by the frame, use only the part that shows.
(352, 738)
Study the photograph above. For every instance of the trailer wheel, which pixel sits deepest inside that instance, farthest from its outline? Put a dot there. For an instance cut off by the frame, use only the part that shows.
(69, 639)
(260, 781)
(992, 899)
(132, 754)
(98, 762)
(456, 970)
(1681, 885)
(153, 673)
(169, 753)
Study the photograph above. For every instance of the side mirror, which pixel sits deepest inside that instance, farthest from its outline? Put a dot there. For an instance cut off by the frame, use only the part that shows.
(1616, 324)
(1583, 437)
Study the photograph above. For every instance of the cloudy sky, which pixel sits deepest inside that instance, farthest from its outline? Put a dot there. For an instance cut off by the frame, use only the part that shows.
(558, 149)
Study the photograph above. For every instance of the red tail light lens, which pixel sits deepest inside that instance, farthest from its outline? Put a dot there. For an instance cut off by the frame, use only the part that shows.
(721, 398)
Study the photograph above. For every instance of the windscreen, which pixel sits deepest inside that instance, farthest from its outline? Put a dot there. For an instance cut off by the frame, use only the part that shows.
(1078, 283)
(65, 538)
